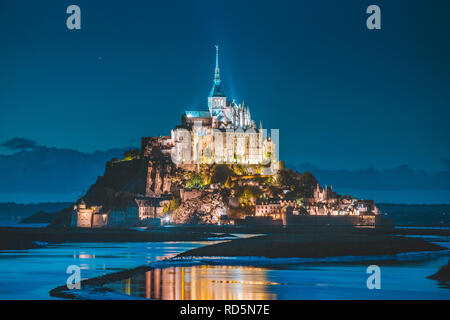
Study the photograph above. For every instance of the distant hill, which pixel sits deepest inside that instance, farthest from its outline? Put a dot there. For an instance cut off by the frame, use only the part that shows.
(53, 170)
(40, 217)
(399, 178)
(14, 212)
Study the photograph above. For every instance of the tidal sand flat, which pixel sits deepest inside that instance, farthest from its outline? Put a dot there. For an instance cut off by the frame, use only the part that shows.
(188, 276)
(29, 238)
(443, 276)
(315, 245)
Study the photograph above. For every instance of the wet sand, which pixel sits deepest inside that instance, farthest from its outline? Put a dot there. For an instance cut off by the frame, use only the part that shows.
(315, 245)
(94, 286)
(12, 238)
(16, 238)
(443, 275)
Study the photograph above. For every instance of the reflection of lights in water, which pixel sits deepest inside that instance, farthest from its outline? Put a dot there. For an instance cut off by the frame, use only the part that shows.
(246, 282)
(83, 255)
(128, 286)
(199, 283)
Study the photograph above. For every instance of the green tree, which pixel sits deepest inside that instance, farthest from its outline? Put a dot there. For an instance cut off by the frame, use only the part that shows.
(173, 204)
(229, 183)
(195, 181)
(131, 154)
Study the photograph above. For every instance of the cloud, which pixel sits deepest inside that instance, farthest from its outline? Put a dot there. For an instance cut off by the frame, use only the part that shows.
(19, 144)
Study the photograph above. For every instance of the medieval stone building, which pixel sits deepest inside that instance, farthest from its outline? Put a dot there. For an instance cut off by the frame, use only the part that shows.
(223, 133)
(324, 195)
(88, 217)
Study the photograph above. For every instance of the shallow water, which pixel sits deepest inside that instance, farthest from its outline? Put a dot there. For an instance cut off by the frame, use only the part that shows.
(423, 228)
(31, 274)
(400, 280)
(405, 281)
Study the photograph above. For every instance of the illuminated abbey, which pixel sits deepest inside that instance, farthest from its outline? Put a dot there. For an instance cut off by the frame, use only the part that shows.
(176, 178)
(222, 133)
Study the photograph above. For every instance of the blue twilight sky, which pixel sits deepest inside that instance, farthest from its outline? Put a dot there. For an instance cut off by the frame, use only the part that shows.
(341, 95)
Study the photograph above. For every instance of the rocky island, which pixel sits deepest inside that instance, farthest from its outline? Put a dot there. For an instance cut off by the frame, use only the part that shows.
(216, 167)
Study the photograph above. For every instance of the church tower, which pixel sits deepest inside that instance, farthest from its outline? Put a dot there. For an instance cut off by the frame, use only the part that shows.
(217, 99)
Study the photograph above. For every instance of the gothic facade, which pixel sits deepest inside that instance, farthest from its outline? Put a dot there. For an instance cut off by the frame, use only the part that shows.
(224, 133)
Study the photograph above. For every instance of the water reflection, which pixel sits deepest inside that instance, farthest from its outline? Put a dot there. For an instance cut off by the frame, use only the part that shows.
(199, 283)
(31, 274)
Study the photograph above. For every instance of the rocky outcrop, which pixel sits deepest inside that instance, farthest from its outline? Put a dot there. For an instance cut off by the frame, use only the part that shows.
(151, 173)
(158, 175)
(206, 208)
(119, 177)
(144, 176)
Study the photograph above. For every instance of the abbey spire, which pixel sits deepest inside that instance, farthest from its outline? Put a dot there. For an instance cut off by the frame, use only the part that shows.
(226, 114)
(217, 69)
(216, 90)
